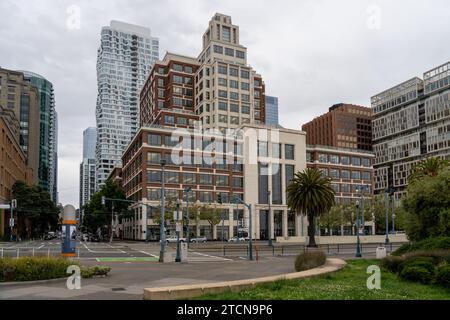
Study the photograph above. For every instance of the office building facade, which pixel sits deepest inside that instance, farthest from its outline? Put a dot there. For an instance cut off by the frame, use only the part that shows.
(87, 167)
(89, 142)
(17, 94)
(272, 117)
(411, 123)
(205, 117)
(48, 134)
(13, 162)
(125, 56)
(344, 126)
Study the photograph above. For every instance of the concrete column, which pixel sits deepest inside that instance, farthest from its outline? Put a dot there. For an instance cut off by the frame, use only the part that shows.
(256, 224)
(298, 225)
(285, 223)
(272, 228)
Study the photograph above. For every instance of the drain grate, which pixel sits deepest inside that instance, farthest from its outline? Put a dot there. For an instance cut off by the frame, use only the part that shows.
(118, 289)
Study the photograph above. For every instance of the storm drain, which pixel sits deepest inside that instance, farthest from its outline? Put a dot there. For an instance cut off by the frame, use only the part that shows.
(118, 289)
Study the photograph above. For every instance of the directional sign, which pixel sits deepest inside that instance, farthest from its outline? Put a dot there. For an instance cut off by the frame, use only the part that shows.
(11, 222)
(5, 206)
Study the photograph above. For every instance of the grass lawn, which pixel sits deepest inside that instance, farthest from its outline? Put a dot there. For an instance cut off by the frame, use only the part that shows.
(347, 284)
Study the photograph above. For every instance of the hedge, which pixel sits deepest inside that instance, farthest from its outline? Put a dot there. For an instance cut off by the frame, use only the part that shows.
(310, 260)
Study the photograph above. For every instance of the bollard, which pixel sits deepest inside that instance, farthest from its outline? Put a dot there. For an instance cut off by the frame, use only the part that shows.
(18, 254)
(33, 251)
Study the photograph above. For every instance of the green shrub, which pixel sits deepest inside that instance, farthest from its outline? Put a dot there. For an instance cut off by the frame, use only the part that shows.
(438, 243)
(437, 256)
(89, 272)
(309, 260)
(443, 276)
(392, 263)
(416, 273)
(33, 268)
(421, 262)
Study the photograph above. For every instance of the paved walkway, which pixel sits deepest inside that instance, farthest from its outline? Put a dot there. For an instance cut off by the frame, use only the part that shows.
(127, 280)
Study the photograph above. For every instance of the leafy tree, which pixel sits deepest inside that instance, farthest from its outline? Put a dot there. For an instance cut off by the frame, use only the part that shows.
(36, 212)
(333, 218)
(312, 194)
(211, 214)
(429, 167)
(97, 215)
(427, 207)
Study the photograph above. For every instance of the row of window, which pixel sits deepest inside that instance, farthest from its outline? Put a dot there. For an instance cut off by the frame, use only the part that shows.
(202, 196)
(189, 178)
(263, 150)
(335, 159)
(233, 71)
(346, 174)
(229, 52)
(190, 159)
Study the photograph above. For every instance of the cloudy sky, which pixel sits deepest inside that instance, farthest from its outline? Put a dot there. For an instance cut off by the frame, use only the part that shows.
(311, 53)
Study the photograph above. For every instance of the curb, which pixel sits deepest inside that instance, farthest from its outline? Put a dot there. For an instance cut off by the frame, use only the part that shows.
(191, 291)
(23, 283)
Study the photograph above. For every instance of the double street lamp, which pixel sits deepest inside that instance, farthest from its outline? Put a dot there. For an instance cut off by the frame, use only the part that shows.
(250, 231)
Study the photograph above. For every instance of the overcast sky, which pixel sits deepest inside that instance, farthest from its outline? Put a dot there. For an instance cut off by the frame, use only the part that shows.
(311, 53)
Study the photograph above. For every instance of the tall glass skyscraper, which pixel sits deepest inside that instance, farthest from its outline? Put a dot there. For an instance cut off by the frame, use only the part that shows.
(48, 133)
(125, 57)
(89, 142)
(272, 111)
(87, 167)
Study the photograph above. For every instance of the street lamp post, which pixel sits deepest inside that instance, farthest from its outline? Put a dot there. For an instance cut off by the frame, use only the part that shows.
(177, 231)
(269, 218)
(188, 231)
(358, 244)
(387, 217)
(112, 222)
(250, 229)
(393, 214)
(163, 209)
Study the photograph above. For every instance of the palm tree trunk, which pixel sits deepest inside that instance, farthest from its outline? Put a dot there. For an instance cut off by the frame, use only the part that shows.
(311, 231)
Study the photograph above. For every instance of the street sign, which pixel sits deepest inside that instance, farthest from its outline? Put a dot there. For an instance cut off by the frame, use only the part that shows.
(179, 227)
(5, 206)
(11, 222)
(13, 203)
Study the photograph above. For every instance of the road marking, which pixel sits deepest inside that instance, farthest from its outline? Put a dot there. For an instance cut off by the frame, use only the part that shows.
(209, 256)
(128, 259)
(95, 251)
(152, 255)
(42, 245)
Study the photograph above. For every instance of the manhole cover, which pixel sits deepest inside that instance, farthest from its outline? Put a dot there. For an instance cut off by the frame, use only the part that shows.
(118, 289)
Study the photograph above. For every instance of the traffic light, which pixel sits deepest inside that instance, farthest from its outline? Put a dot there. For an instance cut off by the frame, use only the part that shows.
(219, 198)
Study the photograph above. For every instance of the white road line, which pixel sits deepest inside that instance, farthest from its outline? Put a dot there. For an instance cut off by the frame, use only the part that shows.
(152, 255)
(207, 255)
(92, 251)
(40, 247)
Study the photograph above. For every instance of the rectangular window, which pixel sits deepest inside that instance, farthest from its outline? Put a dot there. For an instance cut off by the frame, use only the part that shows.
(154, 158)
(218, 49)
(238, 182)
(366, 176)
(345, 160)
(223, 106)
(234, 107)
(263, 184)
(276, 184)
(245, 86)
(240, 54)
(169, 119)
(206, 179)
(289, 152)
(222, 69)
(223, 82)
(234, 84)
(234, 120)
(234, 72)
(366, 162)
(154, 176)
(222, 181)
(234, 95)
(154, 139)
(206, 197)
(290, 171)
(229, 52)
(245, 74)
(226, 33)
(223, 118)
(188, 69)
(177, 79)
(356, 175)
(181, 121)
(345, 174)
(334, 159)
(172, 177)
(262, 149)
(276, 150)
(334, 174)
(189, 178)
(223, 94)
(177, 67)
(245, 97)
(323, 158)
(356, 161)
(245, 109)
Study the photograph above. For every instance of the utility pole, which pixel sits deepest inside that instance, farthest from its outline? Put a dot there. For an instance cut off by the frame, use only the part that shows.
(177, 231)
(249, 207)
(186, 190)
(358, 243)
(11, 220)
(112, 222)
(163, 209)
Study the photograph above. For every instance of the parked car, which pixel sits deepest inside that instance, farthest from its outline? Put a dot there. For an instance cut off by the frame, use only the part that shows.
(237, 239)
(173, 239)
(199, 239)
(50, 236)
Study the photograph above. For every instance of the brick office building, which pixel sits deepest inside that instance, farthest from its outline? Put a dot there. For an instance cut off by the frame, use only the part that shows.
(344, 126)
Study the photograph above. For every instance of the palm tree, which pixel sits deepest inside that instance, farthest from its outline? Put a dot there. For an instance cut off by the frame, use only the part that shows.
(312, 194)
(428, 168)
